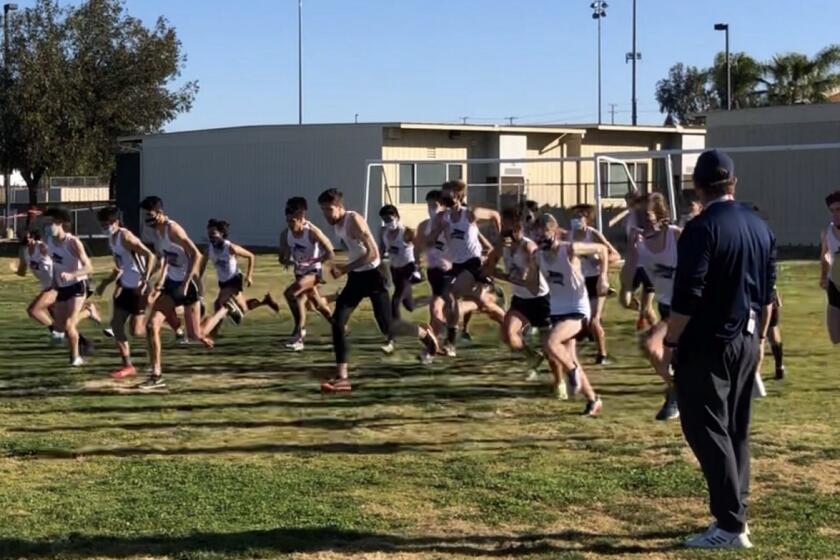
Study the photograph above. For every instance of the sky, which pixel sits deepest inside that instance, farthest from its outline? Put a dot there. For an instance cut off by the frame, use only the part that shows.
(442, 60)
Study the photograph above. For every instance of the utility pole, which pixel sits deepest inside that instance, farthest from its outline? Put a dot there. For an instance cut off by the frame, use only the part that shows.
(300, 61)
(356, 118)
(599, 12)
(511, 119)
(612, 113)
(634, 56)
(7, 174)
(464, 120)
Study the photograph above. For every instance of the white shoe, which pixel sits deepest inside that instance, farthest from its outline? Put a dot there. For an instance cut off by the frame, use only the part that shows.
(715, 537)
(185, 342)
(78, 361)
(109, 332)
(449, 351)
(388, 349)
(56, 337)
(425, 358)
(746, 528)
(560, 392)
(532, 375)
(759, 390)
(296, 346)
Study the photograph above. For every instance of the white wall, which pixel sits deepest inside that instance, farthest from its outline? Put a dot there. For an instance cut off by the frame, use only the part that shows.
(245, 175)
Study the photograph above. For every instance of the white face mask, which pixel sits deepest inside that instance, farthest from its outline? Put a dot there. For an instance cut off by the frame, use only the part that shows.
(576, 224)
(111, 229)
(392, 225)
(433, 213)
(53, 230)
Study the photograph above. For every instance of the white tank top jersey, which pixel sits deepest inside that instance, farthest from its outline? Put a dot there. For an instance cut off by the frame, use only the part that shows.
(176, 258)
(41, 266)
(590, 265)
(224, 261)
(355, 249)
(515, 261)
(400, 253)
(833, 242)
(64, 261)
(436, 253)
(567, 287)
(306, 253)
(131, 269)
(661, 267)
(463, 237)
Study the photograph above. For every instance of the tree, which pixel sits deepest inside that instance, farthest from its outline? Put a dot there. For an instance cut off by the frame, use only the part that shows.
(683, 94)
(746, 76)
(795, 78)
(79, 78)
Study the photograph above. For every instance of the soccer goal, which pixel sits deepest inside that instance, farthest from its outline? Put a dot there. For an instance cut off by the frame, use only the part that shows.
(788, 183)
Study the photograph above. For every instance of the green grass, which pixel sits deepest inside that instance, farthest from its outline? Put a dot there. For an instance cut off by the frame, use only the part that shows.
(244, 458)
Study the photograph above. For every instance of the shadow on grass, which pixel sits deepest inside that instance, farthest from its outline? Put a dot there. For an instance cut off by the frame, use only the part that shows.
(301, 540)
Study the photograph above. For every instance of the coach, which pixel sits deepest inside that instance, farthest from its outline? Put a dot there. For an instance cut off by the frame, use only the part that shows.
(719, 317)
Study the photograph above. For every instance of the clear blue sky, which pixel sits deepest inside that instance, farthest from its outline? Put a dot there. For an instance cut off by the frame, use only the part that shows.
(439, 60)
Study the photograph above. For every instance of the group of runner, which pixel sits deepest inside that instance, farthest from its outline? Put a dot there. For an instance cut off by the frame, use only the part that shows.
(558, 278)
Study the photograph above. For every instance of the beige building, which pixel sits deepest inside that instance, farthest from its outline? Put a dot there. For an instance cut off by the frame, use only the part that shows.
(245, 174)
(788, 186)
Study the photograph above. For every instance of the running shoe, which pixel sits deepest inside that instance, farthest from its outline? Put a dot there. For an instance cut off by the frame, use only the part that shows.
(448, 350)
(388, 349)
(235, 312)
(78, 361)
(152, 383)
(602, 360)
(560, 392)
(296, 346)
(593, 408)
(780, 373)
(669, 410)
(56, 337)
(109, 332)
(425, 358)
(123, 372)
(714, 537)
(337, 385)
(184, 341)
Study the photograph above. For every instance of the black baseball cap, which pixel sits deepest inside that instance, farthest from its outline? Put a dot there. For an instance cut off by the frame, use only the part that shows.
(713, 167)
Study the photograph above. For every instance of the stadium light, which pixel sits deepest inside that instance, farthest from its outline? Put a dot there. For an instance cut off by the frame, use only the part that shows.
(599, 11)
(725, 28)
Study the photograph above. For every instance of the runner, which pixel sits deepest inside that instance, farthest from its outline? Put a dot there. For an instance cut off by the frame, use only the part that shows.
(438, 266)
(582, 230)
(398, 240)
(134, 263)
(559, 263)
(306, 248)
(657, 253)
(830, 274)
(71, 269)
(177, 286)
(229, 302)
(632, 275)
(35, 257)
(364, 280)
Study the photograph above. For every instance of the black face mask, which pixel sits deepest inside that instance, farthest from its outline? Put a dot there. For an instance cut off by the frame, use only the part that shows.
(448, 201)
(507, 234)
(546, 244)
(151, 221)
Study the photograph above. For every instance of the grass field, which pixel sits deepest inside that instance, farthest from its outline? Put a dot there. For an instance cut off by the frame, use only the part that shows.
(244, 458)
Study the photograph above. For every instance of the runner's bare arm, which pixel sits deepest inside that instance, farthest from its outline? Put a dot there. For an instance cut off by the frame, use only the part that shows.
(133, 243)
(582, 249)
(486, 214)
(244, 253)
(613, 255)
(825, 260)
(358, 230)
(284, 255)
(324, 242)
(179, 236)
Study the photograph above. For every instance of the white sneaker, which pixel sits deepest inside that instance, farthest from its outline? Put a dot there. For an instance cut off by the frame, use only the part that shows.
(759, 390)
(560, 392)
(449, 351)
(296, 346)
(56, 337)
(185, 341)
(109, 332)
(425, 358)
(718, 538)
(388, 349)
(532, 375)
(78, 361)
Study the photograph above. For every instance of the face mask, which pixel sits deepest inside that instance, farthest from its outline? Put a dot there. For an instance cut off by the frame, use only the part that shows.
(111, 229)
(546, 244)
(392, 225)
(433, 213)
(448, 201)
(150, 221)
(576, 224)
(53, 230)
(507, 234)
(216, 241)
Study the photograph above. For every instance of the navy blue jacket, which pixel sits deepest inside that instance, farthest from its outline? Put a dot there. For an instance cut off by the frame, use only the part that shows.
(726, 267)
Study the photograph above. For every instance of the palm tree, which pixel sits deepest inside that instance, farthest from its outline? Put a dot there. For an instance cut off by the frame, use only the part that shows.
(793, 78)
(746, 76)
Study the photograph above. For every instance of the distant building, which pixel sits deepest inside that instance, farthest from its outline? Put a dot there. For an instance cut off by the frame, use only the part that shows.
(788, 186)
(245, 174)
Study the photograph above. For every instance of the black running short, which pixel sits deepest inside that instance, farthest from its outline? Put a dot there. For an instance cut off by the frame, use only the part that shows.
(130, 300)
(536, 310)
(473, 266)
(172, 288)
(592, 287)
(641, 279)
(79, 289)
(567, 317)
(833, 295)
(438, 279)
(235, 283)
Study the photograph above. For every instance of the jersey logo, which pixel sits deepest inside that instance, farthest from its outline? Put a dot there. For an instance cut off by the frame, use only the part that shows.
(440, 246)
(34, 265)
(57, 258)
(664, 271)
(557, 278)
(394, 250)
(459, 234)
(221, 263)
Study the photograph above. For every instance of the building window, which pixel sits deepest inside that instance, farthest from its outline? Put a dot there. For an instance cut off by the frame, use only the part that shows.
(418, 179)
(615, 182)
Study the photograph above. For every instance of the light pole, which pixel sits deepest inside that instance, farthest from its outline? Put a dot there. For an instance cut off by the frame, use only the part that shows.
(300, 61)
(725, 28)
(634, 56)
(7, 179)
(599, 11)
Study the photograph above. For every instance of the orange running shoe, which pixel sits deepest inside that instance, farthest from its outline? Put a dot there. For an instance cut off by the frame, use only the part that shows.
(123, 372)
(337, 385)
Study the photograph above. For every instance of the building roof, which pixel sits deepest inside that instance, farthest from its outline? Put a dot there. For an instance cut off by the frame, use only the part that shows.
(777, 114)
(640, 128)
